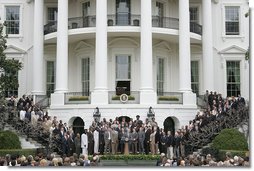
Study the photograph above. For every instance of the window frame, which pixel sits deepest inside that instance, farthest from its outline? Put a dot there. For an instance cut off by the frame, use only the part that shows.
(235, 21)
(50, 83)
(85, 81)
(20, 35)
(236, 83)
(158, 81)
(223, 25)
(198, 75)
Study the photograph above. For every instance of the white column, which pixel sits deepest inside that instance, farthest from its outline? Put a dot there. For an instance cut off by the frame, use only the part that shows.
(62, 48)
(189, 98)
(184, 47)
(207, 46)
(38, 49)
(147, 94)
(100, 93)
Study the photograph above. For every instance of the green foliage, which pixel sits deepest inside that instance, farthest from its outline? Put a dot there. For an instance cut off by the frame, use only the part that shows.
(230, 139)
(130, 157)
(78, 98)
(210, 150)
(9, 140)
(118, 97)
(25, 152)
(168, 98)
(8, 67)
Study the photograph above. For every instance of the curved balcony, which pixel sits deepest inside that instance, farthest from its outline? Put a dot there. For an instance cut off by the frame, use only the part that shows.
(122, 20)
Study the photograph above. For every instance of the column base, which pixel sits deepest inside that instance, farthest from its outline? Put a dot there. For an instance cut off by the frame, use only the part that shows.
(189, 98)
(57, 99)
(148, 97)
(99, 97)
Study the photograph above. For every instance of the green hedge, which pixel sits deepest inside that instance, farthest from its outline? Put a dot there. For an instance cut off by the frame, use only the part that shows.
(168, 98)
(118, 97)
(9, 140)
(230, 139)
(79, 98)
(24, 152)
(130, 157)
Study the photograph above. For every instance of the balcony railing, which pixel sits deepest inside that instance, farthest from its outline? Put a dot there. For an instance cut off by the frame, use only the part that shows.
(77, 98)
(170, 98)
(133, 98)
(122, 20)
(165, 22)
(195, 28)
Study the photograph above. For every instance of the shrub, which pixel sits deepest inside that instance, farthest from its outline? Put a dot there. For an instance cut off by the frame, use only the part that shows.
(230, 139)
(118, 97)
(78, 98)
(209, 150)
(168, 98)
(130, 157)
(9, 140)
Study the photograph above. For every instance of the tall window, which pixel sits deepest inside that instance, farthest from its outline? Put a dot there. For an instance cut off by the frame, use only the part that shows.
(13, 90)
(12, 19)
(123, 11)
(233, 78)
(52, 14)
(160, 13)
(194, 15)
(85, 13)
(232, 20)
(194, 20)
(85, 76)
(160, 76)
(123, 74)
(51, 75)
(194, 77)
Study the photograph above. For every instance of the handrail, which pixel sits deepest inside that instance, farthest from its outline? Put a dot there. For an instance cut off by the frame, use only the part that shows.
(122, 20)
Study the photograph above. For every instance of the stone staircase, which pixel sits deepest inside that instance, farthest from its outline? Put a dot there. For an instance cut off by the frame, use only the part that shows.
(26, 143)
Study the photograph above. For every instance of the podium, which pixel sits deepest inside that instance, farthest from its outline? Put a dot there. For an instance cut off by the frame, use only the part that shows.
(126, 148)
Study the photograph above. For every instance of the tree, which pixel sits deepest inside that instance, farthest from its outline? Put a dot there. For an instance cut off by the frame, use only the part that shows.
(8, 68)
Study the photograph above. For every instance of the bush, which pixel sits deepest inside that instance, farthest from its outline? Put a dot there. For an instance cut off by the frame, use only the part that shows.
(209, 150)
(25, 152)
(168, 98)
(230, 139)
(130, 157)
(130, 97)
(79, 98)
(9, 140)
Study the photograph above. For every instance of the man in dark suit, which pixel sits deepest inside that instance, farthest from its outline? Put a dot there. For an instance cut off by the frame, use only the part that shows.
(141, 139)
(71, 145)
(90, 142)
(147, 139)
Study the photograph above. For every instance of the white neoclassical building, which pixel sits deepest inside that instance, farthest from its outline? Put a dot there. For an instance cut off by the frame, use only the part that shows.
(84, 54)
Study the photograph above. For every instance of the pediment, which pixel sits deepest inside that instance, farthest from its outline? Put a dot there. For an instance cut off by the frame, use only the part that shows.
(233, 50)
(13, 50)
(196, 49)
(162, 45)
(123, 41)
(49, 48)
(83, 45)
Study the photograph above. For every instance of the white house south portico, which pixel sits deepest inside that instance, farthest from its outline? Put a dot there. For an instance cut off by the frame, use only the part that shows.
(159, 53)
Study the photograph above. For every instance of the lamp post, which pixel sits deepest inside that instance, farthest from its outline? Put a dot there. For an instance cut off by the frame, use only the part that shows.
(96, 115)
(150, 113)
